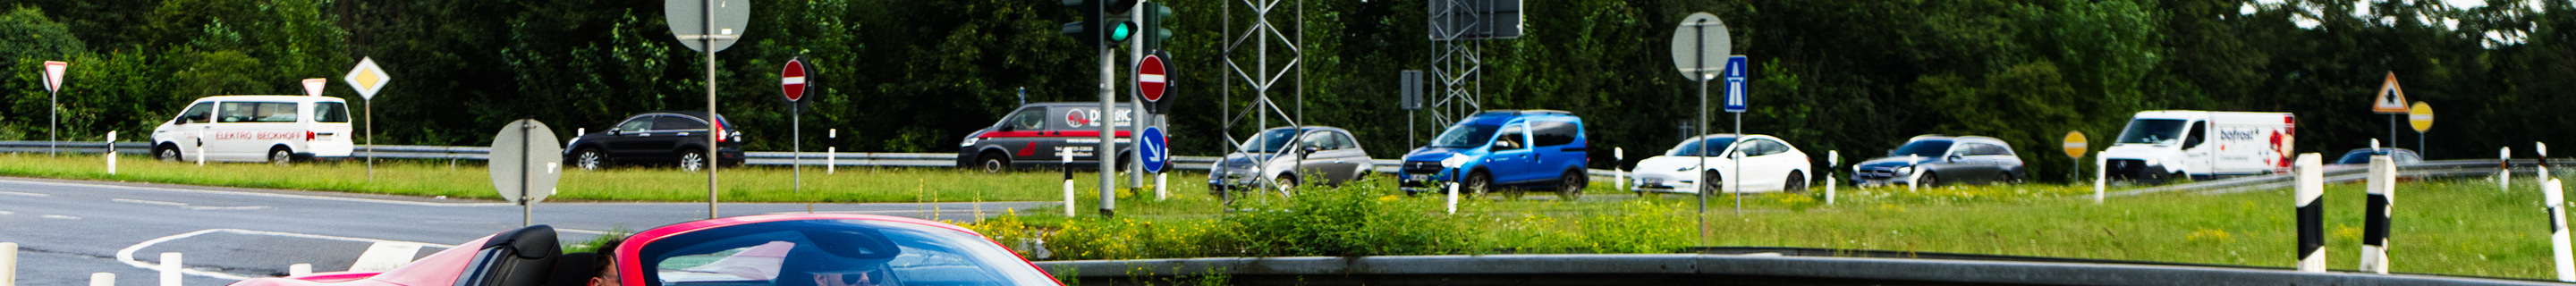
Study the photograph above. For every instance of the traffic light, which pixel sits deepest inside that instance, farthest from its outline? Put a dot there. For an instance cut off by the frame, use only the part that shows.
(1097, 27)
(1154, 33)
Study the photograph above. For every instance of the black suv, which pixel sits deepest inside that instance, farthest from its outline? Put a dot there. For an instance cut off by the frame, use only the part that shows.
(662, 137)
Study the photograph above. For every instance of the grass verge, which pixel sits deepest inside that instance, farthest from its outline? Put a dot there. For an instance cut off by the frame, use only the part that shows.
(2464, 227)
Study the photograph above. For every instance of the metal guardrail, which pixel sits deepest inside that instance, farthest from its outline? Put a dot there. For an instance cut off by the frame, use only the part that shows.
(1694, 269)
(2349, 173)
(848, 159)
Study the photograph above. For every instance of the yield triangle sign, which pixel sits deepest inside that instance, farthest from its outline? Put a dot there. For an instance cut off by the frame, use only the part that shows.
(2391, 100)
(54, 75)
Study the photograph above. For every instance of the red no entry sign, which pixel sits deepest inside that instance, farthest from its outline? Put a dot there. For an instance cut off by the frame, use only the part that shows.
(1150, 80)
(792, 80)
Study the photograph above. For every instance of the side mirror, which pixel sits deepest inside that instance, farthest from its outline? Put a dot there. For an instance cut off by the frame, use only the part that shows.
(1311, 149)
(614, 131)
(1956, 157)
(197, 118)
(1507, 144)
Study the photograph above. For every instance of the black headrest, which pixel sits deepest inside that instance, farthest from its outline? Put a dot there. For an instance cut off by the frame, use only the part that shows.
(574, 269)
(523, 257)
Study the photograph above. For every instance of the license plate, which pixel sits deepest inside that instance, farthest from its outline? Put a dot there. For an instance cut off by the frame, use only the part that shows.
(1654, 182)
(1417, 177)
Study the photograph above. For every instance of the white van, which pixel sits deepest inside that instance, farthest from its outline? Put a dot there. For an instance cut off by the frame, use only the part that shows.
(2167, 144)
(256, 128)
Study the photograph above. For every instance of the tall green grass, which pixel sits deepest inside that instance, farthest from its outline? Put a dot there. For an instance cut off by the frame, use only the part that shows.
(2465, 227)
(471, 180)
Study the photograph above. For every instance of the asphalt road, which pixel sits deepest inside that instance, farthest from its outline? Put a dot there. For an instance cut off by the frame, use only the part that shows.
(66, 230)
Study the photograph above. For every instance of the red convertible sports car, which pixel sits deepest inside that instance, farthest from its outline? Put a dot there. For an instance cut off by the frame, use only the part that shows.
(790, 249)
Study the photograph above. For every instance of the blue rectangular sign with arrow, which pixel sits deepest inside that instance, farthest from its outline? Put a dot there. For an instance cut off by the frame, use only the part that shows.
(1735, 67)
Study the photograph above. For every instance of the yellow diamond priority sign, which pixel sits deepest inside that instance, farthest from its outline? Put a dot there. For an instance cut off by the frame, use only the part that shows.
(367, 78)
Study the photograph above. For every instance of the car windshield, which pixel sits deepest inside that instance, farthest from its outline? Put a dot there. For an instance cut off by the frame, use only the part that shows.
(1925, 148)
(833, 252)
(1692, 148)
(1466, 136)
(1270, 141)
(2152, 131)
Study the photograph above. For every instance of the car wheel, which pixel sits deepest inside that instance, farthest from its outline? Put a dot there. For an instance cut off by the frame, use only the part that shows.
(1795, 184)
(692, 161)
(281, 156)
(1929, 180)
(2006, 178)
(993, 164)
(1477, 184)
(168, 154)
(2178, 177)
(588, 159)
(1711, 183)
(1286, 183)
(1570, 186)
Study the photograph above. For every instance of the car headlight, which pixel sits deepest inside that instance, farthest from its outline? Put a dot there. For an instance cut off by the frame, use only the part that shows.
(970, 142)
(2152, 162)
(1905, 170)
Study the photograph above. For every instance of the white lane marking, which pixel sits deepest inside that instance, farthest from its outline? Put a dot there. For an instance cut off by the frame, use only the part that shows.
(383, 256)
(148, 202)
(24, 194)
(254, 194)
(189, 207)
(61, 217)
(127, 255)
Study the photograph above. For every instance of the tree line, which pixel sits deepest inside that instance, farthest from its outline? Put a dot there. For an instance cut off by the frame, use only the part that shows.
(914, 76)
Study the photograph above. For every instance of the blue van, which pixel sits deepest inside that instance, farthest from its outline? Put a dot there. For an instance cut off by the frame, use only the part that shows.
(1503, 150)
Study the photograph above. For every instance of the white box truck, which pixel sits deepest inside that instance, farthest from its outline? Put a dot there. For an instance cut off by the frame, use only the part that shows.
(2170, 144)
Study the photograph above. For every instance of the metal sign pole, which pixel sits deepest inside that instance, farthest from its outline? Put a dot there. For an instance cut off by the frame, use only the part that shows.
(371, 137)
(713, 124)
(1701, 66)
(527, 205)
(1107, 152)
(53, 120)
(796, 129)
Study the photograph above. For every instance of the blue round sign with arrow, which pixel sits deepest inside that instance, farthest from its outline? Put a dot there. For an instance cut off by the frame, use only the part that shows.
(1157, 150)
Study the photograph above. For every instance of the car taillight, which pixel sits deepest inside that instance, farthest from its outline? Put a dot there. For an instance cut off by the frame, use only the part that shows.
(308, 135)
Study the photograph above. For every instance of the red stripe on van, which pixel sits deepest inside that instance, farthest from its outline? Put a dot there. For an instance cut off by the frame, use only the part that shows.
(1018, 134)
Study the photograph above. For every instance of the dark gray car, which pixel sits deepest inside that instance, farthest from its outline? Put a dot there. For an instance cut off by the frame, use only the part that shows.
(1941, 160)
(1313, 154)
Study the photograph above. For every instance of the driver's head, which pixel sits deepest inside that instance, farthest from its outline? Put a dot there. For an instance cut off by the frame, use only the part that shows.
(607, 261)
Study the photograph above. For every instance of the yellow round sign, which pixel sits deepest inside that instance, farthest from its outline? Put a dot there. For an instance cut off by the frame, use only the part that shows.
(2421, 116)
(2075, 144)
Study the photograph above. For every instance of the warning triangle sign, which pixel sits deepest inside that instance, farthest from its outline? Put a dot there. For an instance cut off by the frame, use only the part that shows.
(2391, 100)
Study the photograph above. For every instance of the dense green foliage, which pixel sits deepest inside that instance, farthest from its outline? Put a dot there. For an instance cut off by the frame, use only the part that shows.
(913, 76)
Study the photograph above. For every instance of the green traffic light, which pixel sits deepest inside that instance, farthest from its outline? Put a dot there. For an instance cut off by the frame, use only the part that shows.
(1122, 31)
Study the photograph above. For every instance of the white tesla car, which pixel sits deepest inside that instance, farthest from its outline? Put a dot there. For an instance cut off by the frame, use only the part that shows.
(1768, 165)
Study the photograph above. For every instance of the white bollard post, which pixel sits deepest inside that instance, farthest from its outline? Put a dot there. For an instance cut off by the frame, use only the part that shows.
(1619, 176)
(1453, 197)
(102, 279)
(201, 148)
(1068, 181)
(2375, 220)
(299, 269)
(2504, 169)
(2558, 229)
(8, 264)
(831, 154)
(2310, 205)
(2543, 148)
(1835, 161)
(1159, 192)
(169, 268)
(111, 152)
(2101, 176)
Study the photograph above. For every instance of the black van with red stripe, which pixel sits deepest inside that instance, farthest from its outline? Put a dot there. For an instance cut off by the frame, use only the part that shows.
(1036, 134)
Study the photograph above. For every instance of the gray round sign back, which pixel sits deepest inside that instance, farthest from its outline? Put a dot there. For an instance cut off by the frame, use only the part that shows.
(688, 18)
(525, 161)
(1700, 46)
